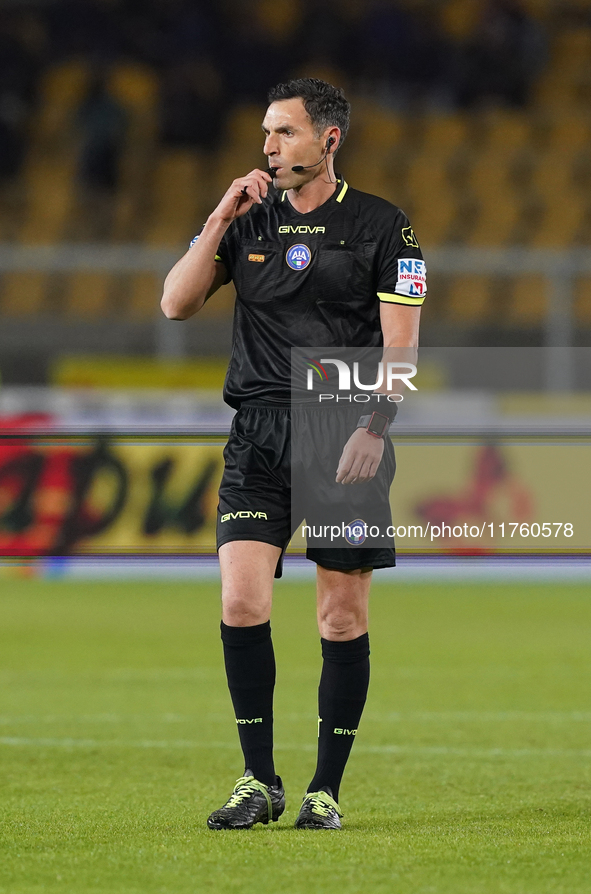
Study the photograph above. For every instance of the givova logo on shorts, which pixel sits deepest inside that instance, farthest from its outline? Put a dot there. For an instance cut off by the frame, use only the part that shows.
(244, 513)
(298, 257)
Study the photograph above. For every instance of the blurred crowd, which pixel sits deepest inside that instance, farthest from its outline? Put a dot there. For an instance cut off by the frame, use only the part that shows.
(210, 56)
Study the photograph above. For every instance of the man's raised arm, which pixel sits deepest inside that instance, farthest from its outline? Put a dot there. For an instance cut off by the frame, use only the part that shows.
(198, 275)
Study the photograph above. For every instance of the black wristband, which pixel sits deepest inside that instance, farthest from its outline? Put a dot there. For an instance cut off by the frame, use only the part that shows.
(377, 424)
(389, 409)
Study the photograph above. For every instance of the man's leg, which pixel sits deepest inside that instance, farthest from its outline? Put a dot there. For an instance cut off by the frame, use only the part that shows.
(342, 603)
(247, 569)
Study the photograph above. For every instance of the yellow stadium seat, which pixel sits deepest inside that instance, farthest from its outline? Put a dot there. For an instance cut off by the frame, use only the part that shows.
(86, 294)
(444, 134)
(583, 301)
(572, 49)
(507, 132)
(562, 231)
(539, 9)
(568, 132)
(379, 131)
(553, 176)
(244, 126)
(134, 85)
(461, 17)
(469, 299)
(489, 175)
(528, 303)
(143, 299)
(497, 222)
(433, 221)
(23, 294)
(279, 18)
(556, 91)
(426, 174)
(553, 180)
(61, 90)
(177, 194)
(50, 194)
(499, 204)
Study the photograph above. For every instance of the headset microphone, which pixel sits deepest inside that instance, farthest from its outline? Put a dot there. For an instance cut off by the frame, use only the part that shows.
(299, 168)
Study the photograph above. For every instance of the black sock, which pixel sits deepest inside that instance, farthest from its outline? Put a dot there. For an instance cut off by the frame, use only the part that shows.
(341, 698)
(250, 668)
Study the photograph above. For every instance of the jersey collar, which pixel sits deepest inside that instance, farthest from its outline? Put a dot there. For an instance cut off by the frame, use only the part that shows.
(337, 196)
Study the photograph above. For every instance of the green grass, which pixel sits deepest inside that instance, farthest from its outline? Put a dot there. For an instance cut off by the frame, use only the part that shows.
(470, 773)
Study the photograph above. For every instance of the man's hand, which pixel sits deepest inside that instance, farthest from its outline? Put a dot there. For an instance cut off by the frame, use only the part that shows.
(242, 195)
(360, 458)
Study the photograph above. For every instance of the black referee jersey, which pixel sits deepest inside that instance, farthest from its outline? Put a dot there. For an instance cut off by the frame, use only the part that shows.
(315, 278)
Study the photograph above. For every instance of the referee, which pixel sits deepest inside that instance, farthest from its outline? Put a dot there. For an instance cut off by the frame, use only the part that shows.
(314, 262)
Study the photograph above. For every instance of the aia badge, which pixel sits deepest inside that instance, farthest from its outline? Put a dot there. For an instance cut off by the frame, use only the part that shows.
(298, 257)
(356, 532)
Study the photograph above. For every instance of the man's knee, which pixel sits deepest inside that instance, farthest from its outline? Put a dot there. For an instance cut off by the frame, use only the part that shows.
(342, 603)
(245, 609)
(337, 623)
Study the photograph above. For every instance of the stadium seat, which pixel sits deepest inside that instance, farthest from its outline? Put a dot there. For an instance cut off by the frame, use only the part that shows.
(570, 132)
(374, 120)
(177, 198)
(582, 306)
(469, 299)
(528, 301)
(568, 71)
(48, 202)
(433, 201)
(61, 91)
(86, 295)
(23, 294)
(553, 181)
(506, 132)
(443, 135)
(499, 204)
(460, 17)
(539, 9)
(244, 126)
(143, 298)
(135, 86)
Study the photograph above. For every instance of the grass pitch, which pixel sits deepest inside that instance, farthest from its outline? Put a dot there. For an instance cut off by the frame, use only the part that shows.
(470, 773)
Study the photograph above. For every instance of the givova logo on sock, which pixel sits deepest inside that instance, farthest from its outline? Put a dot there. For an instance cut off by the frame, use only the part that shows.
(339, 731)
(254, 720)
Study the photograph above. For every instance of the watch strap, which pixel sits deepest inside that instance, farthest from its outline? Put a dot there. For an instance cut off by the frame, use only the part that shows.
(375, 419)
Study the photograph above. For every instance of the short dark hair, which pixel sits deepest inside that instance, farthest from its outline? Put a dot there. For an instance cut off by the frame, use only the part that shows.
(326, 105)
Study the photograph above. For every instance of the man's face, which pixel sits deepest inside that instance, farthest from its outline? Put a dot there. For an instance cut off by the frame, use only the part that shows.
(290, 140)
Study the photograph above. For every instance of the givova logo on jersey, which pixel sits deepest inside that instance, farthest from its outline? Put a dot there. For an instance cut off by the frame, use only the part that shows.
(298, 257)
(412, 278)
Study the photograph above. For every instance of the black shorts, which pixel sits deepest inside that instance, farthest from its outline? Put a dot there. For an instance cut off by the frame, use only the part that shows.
(273, 480)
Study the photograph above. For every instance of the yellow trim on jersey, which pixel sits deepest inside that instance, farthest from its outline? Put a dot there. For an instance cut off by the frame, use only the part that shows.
(217, 258)
(283, 194)
(400, 299)
(341, 195)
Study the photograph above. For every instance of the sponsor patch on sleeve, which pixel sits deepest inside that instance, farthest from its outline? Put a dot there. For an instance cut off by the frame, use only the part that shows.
(412, 278)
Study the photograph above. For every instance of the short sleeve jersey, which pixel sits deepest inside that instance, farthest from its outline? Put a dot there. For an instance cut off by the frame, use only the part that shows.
(313, 279)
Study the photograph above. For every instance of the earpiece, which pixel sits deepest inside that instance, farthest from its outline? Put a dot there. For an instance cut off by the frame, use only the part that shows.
(299, 168)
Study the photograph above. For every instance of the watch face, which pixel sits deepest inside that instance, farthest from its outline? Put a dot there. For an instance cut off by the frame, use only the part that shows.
(378, 424)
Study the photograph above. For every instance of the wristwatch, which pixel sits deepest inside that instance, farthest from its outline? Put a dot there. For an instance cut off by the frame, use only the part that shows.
(377, 424)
